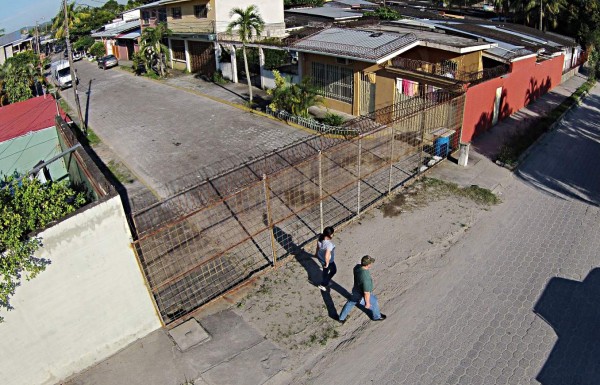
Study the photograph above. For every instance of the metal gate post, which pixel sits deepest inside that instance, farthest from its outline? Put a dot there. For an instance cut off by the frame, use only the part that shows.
(321, 188)
(422, 146)
(392, 139)
(358, 172)
(269, 218)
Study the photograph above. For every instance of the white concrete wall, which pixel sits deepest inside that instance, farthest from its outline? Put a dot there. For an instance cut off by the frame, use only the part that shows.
(134, 14)
(90, 302)
(271, 12)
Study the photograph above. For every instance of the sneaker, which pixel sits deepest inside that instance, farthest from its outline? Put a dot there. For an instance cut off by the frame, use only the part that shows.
(342, 321)
(323, 288)
(383, 316)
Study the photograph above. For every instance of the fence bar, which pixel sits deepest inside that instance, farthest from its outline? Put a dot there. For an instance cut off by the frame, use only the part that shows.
(321, 188)
(392, 139)
(269, 218)
(358, 177)
(422, 144)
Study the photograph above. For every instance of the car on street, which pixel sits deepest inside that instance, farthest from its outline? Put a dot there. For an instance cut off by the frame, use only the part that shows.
(107, 62)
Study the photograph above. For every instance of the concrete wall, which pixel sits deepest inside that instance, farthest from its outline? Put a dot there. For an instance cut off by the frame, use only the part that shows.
(89, 303)
(189, 22)
(269, 79)
(526, 81)
(270, 11)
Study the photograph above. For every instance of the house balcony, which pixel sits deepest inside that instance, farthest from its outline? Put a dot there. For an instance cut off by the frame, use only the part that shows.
(446, 72)
(193, 28)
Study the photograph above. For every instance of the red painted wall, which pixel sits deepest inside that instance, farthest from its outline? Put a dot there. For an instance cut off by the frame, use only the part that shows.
(526, 81)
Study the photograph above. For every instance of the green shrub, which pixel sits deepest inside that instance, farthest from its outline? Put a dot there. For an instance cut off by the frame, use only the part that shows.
(97, 49)
(332, 119)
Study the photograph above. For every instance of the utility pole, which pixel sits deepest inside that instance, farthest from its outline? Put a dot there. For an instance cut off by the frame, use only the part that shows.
(37, 38)
(72, 69)
(541, 12)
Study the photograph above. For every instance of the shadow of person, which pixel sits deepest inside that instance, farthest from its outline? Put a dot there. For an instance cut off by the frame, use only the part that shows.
(312, 267)
(572, 309)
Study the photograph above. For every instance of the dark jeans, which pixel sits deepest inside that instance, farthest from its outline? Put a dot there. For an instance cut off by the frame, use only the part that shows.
(328, 273)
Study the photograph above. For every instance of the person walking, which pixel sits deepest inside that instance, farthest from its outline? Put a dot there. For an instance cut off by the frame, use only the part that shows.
(325, 253)
(362, 292)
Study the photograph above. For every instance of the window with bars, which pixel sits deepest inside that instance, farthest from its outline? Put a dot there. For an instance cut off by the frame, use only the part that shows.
(176, 12)
(201, 11)
(333, 81)
(178, 48)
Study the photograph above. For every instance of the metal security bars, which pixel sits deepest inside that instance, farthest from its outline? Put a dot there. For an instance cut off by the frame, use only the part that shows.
(208, 239)
(334, 82)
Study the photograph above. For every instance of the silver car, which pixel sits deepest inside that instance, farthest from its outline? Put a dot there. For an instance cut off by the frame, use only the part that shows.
(107, 62)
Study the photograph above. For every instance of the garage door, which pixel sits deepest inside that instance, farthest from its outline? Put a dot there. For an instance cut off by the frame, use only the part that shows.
(202, 57)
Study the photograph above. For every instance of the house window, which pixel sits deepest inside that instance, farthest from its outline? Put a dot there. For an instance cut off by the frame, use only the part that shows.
(176, 12)
(200, 11)
(162, 15)
(178, 48)
(449, 68)
(153, 14)
(333, 81)
(146, 17)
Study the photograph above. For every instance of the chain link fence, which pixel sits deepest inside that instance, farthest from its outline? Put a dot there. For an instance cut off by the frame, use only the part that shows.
(209, 238)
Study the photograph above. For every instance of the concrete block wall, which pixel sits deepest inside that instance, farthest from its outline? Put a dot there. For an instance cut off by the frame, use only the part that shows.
(89, 303)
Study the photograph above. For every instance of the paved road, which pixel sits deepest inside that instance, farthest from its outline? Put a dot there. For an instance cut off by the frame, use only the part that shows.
(519, 302)
(164, 134)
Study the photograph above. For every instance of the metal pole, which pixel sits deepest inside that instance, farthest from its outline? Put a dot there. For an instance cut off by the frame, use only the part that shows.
(269, 218)
(358, 172)
(73, 74)
(422, 145)
(392, 140)
(321, 188)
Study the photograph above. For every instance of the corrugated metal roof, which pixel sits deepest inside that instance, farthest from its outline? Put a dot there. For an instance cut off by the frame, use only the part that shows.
(10, 38)
(355, 43)
(34, 114)
(112, 32)
(353, 3)
(327, 12)
(130, 35)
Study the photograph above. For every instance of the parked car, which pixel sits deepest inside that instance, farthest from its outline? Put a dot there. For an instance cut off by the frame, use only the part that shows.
(107, 62)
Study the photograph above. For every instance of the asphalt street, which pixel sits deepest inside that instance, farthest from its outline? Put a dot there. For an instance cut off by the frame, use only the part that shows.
(167, 136)
(518, 303)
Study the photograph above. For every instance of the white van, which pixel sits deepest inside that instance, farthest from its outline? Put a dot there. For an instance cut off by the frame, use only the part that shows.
(61, 74)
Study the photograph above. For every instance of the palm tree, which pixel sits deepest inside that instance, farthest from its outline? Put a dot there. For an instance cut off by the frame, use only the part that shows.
(76, 15)
(248, 23)
(153, 50)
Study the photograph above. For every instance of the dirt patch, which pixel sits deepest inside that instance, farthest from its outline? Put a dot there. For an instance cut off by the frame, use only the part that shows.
(299, 197)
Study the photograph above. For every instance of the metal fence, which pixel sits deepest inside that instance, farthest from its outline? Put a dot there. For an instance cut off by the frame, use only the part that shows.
(208, 239)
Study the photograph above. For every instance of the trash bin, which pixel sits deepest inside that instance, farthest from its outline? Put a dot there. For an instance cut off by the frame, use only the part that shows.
(441, 146)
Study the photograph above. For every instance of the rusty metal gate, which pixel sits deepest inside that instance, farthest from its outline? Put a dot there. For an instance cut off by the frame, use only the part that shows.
(205, 240)
(202, 57)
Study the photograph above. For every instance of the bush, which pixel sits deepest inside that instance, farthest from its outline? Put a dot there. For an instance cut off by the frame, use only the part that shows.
(83, 43)
(97, 49)
(293, 98)
(332, 119)
(218, 78)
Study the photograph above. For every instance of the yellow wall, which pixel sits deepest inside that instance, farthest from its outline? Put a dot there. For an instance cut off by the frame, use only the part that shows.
(357, 67)
(187, 15)
(179, 65)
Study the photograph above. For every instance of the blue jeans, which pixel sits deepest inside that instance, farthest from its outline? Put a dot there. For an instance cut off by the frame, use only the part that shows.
(328, 273)
(357, 297)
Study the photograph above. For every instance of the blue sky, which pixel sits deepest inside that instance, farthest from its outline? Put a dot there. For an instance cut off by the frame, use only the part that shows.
(15, 14)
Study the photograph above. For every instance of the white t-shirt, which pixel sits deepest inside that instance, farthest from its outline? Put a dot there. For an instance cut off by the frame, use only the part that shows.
(323, 247)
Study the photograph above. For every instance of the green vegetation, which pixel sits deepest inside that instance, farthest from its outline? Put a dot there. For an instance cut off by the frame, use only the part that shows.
(153, 52)
(83, 43)
(518, 143)
(120, 172)
(19, 76)
(384, 13)
(332, 119)
(475, 193)
(26, 206)
(218, 78)
(97, 49)
(293, 98)
(247, 23)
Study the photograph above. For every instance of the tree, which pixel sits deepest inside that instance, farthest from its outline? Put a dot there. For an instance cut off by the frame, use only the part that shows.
(248, 23)
(20, 74)
(152, 49)
(77, 15)
(293, 98)
(28, 205)
(83, 43)
(97, 49)
(384, 13)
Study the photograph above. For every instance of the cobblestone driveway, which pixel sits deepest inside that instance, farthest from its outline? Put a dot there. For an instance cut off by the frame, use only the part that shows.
(163, 134)
(519, 301)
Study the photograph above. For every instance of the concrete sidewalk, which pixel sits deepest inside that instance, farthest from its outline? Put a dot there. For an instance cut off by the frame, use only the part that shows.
(481, 169)
(235, 352)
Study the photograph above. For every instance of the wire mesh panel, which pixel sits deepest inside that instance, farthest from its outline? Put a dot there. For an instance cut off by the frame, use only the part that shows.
(209, 237)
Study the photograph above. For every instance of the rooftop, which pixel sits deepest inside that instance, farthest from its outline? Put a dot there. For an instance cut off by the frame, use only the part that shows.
(30, 115)
(350, 3)
(11, 38)
(124, 27)
(356, 44)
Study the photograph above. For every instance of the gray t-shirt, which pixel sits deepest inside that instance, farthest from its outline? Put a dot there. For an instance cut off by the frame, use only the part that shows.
(323, 247)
